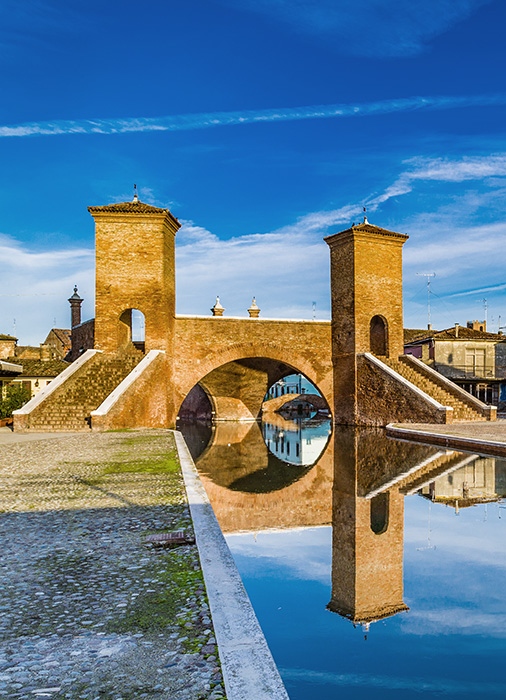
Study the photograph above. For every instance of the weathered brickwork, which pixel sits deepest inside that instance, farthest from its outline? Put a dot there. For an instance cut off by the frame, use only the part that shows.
(70, 406)
(240, 358)
(381, 399)
(144, 404)
(83, 338)
(366, 295)
(135, 269)
(367, 566)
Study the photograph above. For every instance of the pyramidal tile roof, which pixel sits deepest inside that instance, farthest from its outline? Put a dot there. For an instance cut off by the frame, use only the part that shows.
(366, 227)
(135, 207)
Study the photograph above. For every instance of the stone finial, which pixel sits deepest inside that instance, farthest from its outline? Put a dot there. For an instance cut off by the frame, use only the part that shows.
(217, 309)
(135, 200)
(254, 311)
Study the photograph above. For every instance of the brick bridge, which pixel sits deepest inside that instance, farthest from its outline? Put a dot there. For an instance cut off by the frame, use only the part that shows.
(353, 359)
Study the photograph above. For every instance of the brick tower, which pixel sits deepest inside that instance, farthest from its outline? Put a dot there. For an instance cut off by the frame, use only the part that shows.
(135, 270)
(366, 289)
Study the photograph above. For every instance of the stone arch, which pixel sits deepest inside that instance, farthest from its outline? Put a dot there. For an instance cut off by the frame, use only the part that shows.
(236, 388)
(378, 336)
(132, 329)
(379, 513)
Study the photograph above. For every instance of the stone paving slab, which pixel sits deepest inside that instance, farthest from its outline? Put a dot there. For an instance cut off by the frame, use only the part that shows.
(88, 610)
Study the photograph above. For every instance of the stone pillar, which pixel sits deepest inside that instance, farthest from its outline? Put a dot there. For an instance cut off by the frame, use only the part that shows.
(254, 311)
(218, 309)
(366, 289)
(75, 302)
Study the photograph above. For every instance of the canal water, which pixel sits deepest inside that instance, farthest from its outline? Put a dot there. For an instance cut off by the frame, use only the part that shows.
(376, 567)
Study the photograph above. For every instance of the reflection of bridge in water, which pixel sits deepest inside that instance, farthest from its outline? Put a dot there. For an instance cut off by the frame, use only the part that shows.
(358, 486)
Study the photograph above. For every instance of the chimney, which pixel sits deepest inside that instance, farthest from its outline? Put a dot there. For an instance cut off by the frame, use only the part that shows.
(75, 302)
(456, 330)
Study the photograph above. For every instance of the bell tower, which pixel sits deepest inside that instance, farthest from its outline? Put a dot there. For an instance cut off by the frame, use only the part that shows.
(135, 274)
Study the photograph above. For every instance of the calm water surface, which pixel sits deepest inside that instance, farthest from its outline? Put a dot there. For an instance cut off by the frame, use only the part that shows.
(376, 567)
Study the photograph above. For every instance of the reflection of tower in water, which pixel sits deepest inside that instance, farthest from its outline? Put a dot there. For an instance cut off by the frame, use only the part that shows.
(367, 538)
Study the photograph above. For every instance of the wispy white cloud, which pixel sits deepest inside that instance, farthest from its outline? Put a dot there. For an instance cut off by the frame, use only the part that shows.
(368, 27)
(288, 268)
(35, 287)
(285, 270)
(187, 122)
(444, 170)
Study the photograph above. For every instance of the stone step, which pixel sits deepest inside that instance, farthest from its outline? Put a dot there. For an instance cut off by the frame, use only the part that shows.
(71, 405)
(461, 409)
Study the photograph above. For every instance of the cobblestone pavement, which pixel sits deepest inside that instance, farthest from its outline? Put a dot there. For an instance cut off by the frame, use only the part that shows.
(87, 610)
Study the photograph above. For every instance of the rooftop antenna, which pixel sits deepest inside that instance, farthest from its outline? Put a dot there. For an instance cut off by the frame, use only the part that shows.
(485, 310)
(314, 310)
(429, 275)
(136, 196)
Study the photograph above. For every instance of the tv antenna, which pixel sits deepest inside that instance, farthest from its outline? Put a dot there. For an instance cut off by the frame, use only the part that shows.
(485, 310)
(429, 276)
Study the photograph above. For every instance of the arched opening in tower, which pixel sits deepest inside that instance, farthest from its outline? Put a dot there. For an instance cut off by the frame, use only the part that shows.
(133, 329)
(378, 336)
(379, 512)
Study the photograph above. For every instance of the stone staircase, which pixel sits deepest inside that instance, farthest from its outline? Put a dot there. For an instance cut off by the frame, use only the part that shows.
(69, 407)
(437, 388)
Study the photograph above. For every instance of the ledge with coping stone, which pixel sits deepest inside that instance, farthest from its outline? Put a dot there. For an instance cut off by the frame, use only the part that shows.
(110, 401)
(447, 411)
(455, 389)
(21, 415)
(55, 383)
(470, 436)
(248, 668)
(263, 319)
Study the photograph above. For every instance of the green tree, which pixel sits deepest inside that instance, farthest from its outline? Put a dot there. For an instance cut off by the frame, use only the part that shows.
(16, 396)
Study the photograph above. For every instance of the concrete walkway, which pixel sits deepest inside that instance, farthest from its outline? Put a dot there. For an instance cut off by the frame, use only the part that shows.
(476, 436)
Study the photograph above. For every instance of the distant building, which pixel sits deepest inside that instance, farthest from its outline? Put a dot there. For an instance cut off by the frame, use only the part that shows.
(481, 480)
(468, 355)
(292, 384)
(58, 340)
(294, 442)
(31, 366)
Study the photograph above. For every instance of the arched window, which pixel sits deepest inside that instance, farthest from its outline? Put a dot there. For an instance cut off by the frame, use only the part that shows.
(379, 513)
(132, 322)
(378, 336)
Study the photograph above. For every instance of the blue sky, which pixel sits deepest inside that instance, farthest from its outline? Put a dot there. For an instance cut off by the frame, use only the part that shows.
(263, 125)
